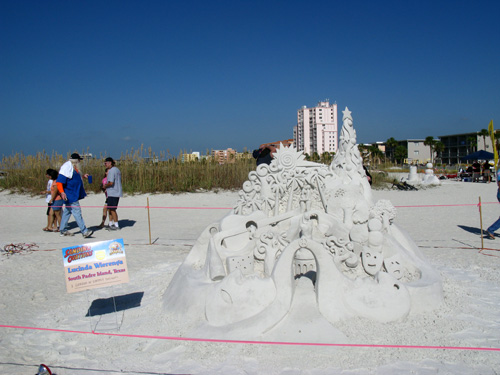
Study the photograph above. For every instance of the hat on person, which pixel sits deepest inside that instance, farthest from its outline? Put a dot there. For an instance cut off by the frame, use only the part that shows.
(109, 159)
(76, 156)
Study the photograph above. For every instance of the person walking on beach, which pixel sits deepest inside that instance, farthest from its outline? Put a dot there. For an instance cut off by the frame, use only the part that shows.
(113, 191)
(486, 172)
(476, 171)
(493, 227)
(50, 173)
(105, 208)
(70, 186)
(56, 201)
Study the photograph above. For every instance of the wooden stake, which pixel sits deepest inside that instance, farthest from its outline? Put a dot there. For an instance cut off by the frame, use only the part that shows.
(481, 223)
(149, 224)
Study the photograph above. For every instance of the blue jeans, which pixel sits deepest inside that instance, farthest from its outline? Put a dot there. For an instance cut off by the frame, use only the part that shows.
(493, 227)
(72, 208)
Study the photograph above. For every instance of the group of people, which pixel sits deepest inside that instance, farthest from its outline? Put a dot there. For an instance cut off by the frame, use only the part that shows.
(65, 188)
(476, 171)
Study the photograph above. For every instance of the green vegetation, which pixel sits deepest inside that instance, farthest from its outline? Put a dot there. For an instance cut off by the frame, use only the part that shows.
(26, 174)
(144, 172)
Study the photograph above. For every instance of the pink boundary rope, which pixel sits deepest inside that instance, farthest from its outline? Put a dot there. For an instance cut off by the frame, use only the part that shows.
(259, 342)
(170, 208)
(230, 208)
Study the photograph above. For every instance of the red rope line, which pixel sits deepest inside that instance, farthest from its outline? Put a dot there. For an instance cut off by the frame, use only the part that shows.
(174, 338)
(230, 208)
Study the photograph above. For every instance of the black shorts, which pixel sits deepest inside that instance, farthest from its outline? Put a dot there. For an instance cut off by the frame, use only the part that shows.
(48, 208)
(112, 202)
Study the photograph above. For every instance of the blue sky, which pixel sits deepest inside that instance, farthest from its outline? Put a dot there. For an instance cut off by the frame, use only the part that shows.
(108, 76)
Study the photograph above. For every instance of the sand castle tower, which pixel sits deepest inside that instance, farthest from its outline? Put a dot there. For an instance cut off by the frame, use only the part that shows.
(294, 219)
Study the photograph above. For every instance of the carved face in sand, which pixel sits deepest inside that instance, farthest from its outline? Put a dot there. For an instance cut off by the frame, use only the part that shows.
(394, 267)
(372, 261)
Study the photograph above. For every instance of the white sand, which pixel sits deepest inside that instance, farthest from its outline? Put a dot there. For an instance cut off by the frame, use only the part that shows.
(34, 295)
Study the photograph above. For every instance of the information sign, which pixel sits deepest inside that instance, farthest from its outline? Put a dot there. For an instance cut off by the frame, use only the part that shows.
(95, 265)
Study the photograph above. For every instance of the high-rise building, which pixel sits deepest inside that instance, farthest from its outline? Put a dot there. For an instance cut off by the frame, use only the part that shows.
(316, 129)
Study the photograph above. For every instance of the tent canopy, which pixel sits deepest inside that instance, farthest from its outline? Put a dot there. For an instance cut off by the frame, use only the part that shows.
(479, 155)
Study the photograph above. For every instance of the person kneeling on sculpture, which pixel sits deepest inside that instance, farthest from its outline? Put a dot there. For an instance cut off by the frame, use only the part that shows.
(264, 154)
(70, 185)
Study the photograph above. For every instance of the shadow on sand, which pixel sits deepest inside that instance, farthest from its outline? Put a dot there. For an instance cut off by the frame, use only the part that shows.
(103, 306)
(474, 230)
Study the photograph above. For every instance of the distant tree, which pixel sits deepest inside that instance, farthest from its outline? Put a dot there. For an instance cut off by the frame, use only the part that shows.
(497, 140)
(401, 153)
(315, 156)
(391, 145)
(375, 154)
(438, 149)
(484, 133)
(471, 144)
(429, 141)
(327, 157)
(363, 150)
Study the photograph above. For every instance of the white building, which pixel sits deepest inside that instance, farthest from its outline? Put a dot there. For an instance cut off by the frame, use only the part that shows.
(316, 129)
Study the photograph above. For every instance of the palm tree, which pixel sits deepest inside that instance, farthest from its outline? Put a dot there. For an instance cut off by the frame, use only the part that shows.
(429, 141)
(376, 154)
(472, 143)
(326, 157)
(497, 139)
(439, 148)
(401, 153)
(484, 133)
(391, 144)
(364, 151)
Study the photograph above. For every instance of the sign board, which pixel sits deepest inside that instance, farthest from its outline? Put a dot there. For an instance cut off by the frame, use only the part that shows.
(95, 265)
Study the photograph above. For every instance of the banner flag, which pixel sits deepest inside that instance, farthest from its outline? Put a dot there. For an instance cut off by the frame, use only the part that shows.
(491, 130)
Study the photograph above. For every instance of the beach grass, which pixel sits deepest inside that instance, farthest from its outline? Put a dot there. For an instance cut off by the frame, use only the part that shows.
(142, 172)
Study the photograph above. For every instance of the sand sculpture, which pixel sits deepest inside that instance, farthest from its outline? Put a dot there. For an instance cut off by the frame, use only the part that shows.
(429, 177)
(295, 219)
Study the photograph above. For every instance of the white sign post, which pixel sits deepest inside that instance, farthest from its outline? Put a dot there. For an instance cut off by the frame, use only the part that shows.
(95, 265)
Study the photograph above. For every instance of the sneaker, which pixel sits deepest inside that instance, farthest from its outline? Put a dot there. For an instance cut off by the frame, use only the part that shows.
(88, 233)
(66, 234)
(112, 227)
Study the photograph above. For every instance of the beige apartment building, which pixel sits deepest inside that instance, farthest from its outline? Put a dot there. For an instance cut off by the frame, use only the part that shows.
(224, 156)
(417, 152)
(316, 129)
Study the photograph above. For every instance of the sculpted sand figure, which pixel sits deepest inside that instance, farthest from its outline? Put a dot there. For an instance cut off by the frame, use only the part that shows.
(294, 219)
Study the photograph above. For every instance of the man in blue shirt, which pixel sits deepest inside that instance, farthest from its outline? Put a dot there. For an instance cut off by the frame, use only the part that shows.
(493, 227)
(70, 185)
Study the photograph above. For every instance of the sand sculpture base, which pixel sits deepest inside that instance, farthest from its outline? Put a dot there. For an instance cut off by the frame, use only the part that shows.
(300, 222)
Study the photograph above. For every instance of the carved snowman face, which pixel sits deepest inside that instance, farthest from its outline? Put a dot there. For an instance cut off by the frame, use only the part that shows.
(372, 261)
(394, 267)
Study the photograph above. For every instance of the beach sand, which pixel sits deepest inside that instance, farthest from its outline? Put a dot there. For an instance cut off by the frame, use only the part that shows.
(444, 222)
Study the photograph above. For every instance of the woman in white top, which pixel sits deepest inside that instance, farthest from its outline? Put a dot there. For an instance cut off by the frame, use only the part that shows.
(51, 223)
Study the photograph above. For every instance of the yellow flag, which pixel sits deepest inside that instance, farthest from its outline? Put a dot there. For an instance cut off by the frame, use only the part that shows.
(491, 130)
